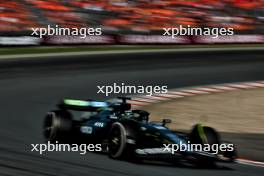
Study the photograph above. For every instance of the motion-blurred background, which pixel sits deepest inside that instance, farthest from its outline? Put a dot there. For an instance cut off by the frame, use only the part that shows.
(147, 17)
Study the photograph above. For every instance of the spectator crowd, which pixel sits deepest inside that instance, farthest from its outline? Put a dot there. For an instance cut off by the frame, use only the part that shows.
(132, 15)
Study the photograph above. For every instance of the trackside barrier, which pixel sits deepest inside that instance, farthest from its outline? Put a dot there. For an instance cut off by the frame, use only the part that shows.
(20, 40)
(129, 39)
(229, 39)
(61, 40)
(153, 39)
(156, 39)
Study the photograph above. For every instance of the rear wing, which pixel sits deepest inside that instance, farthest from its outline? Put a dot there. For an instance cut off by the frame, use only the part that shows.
(82, 105)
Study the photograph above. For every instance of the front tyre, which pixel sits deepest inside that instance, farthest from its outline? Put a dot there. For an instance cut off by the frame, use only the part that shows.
(204, 135)
(117, 141)
(229, 155)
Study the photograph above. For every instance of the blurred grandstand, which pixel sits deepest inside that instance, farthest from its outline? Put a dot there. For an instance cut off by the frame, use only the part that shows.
(131, 16)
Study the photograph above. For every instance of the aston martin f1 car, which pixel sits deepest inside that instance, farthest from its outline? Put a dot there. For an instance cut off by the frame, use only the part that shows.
(129, 134)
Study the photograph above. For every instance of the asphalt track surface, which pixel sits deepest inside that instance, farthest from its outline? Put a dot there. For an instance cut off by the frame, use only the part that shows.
(29, 90)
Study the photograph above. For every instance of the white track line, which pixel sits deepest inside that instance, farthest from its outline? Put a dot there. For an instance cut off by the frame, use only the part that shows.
(182, 94)
(255, 84)
(144, 100)
(208, 89)
(224, 88)
(193, 91)
(250, 162)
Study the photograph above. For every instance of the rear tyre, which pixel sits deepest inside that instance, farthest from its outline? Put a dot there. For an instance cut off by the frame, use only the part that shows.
(57, 126)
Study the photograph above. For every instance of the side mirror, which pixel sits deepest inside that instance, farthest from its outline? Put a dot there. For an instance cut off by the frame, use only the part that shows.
(165, 121)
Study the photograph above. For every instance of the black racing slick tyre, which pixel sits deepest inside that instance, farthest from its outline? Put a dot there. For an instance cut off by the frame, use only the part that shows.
(204, 135)
(231, 155)
(57, 126)
(117, 141)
